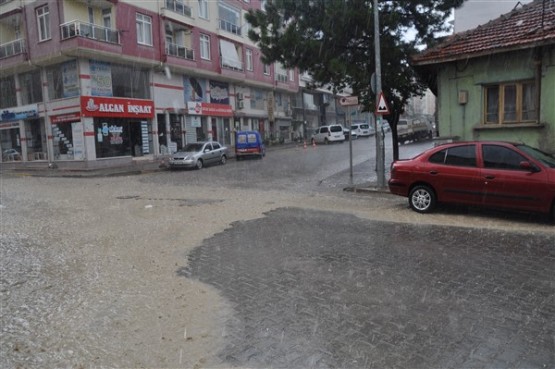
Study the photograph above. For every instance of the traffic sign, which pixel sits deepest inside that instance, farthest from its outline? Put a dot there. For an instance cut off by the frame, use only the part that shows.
(382, 107)
(348, 101)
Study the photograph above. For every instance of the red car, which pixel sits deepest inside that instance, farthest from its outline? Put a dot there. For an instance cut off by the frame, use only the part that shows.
(483, 173)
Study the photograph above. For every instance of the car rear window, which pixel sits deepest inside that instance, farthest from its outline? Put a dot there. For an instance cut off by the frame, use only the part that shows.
(251, 138)
(336, 129)
(364, 126)
(241, 138)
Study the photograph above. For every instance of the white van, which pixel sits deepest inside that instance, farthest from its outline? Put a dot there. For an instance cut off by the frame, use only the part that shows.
(328, 134)
(362, 129)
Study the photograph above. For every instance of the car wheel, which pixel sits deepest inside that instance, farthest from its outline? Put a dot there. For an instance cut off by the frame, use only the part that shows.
(326, 141)
(422, 199)
(223, 160)
(200, 164)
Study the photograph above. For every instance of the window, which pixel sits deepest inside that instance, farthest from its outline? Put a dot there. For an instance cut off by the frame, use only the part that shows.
(8, 95)
(266, 69)
(130, 82)
(230, 56)
(291, 75)
(144, 29)
(204, 47)
(248, 53)
(43, 21)
(464, 156)
(107, 17)
(62, 80)
(229, 19)
(31, 87)
(91, 14)
(499, 157)
(510, 103)
(203, 9)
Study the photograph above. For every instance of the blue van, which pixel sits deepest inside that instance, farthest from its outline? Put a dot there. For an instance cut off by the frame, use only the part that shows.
(249, 143)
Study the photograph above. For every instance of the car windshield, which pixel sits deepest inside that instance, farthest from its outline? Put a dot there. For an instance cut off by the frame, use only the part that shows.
(539, 155)
(193, 147)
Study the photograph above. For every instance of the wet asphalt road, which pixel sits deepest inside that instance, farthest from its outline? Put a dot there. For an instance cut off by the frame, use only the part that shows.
(313, 289)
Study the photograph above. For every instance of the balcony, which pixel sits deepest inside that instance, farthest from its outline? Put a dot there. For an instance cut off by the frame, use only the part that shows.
(177, 6)
(89, 30)
(12, 48)
(281, 78)
(230, 27)
(234, 65)
(180, 51)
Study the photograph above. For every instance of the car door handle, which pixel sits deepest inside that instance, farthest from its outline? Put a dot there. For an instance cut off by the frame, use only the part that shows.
(489, 176)
(433, 172)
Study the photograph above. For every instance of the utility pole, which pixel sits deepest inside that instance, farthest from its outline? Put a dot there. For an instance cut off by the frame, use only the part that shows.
(380, 150)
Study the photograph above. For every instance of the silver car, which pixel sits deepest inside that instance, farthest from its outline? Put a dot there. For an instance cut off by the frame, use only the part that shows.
(199, 154)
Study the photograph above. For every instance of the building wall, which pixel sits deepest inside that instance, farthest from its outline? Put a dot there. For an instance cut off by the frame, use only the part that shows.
(166, 72)
(466, 121)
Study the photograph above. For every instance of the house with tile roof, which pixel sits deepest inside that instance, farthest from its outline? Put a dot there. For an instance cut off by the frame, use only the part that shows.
(497, 81)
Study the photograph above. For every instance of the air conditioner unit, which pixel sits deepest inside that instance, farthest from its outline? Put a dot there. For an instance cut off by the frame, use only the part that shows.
(240, 104)
(239, 96)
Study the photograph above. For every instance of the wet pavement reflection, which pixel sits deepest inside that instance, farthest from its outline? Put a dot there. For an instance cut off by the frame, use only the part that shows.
(317, 289)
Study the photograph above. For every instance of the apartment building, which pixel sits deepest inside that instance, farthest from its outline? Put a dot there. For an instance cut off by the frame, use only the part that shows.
(89, 83)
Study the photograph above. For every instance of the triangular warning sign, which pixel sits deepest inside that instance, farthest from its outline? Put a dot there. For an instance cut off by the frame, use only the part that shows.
(382, 107)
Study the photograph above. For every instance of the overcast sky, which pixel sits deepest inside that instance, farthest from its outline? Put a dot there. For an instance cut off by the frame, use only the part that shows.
(476, 12)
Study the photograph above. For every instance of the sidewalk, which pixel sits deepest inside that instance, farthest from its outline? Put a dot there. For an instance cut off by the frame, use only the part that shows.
(137, 166)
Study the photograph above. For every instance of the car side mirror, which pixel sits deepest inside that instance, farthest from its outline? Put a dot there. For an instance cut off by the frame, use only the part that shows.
(526, 165)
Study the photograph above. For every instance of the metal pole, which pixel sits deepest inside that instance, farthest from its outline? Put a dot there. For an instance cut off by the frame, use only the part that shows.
(380, 152)
(350, 146)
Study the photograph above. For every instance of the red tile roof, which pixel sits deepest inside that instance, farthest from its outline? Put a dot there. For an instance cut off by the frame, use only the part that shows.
(528, 26)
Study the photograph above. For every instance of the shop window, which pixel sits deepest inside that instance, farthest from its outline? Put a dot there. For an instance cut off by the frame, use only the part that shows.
(510, 103)
(63, 141)
(8, 95)
(31, 87)
(112, 138)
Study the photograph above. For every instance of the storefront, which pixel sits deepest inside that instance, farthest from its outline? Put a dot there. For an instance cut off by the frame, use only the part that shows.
(122, 127)
(211, 121)
(67, 137)
(22, 135)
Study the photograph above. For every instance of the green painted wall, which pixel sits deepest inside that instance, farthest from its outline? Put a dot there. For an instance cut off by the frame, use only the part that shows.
(465, 121)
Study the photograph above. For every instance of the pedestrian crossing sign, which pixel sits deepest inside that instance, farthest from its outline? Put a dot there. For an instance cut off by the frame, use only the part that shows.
(381, 107)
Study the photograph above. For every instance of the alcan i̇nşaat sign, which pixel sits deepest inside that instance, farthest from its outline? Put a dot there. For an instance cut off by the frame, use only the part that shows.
(95, 106)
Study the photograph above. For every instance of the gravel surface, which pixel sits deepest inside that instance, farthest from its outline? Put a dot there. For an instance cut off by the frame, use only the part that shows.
(88, 267)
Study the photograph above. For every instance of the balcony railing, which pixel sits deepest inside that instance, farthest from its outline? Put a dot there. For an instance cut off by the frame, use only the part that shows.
(230, 27)
(179, 7)
(180, 51)
(89, 30)
(12, 48)
(281, 78)
(232, 65)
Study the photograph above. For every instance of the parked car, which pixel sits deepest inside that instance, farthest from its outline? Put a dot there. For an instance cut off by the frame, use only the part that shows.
(10, 155)
(249, 143)
(482, 173)
(348, 133)
(199, 154)
(363, 129)
(328, 134)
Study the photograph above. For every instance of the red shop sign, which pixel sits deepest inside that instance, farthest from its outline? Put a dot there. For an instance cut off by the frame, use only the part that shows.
(65, 118)
(114, 107)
